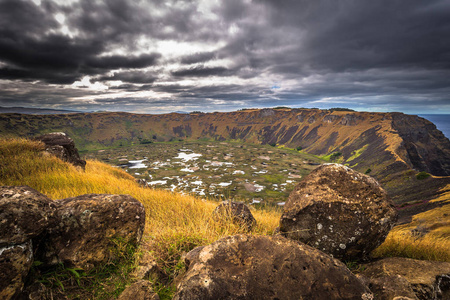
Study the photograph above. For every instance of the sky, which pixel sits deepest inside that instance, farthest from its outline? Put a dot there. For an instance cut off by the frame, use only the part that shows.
(160, 56)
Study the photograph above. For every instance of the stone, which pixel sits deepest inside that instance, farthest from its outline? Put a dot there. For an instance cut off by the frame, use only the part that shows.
(63, 147)
(239, 213)
(340, 211)
(140, 290)
(24, 214)
(266, 267)
(148, 269)
(38, 291)
(390, 287)
(427, 279)
(88, 226)
(15, 263)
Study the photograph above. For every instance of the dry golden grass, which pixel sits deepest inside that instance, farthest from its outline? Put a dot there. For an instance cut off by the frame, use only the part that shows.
(426, 237)
(175, 223)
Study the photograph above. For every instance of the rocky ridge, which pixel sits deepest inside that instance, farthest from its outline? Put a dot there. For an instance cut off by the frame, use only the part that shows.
(391, 146)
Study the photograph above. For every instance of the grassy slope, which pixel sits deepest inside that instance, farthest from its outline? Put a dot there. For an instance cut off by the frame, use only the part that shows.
(175, 223)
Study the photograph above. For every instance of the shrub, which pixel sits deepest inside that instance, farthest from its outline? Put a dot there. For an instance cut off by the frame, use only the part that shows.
(422, 175)
(368, 171)
(335, 155)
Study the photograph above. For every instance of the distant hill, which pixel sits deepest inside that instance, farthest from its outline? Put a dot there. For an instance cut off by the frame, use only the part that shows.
(392, 147)
(35, 111)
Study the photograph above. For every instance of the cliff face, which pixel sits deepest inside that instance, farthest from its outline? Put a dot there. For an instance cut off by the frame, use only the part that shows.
(423, 147)
(389, 144)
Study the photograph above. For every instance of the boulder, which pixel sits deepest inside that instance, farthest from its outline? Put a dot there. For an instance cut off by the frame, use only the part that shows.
(15, 263)
(87, 228)
(389, 287)
(237, 212)
(395, 276)
(63, 147)
(140, 290)
(266, 267)
(339, 211)
(24, 214)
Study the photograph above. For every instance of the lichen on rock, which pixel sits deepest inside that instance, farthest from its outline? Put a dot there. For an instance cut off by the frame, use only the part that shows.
(339, 211)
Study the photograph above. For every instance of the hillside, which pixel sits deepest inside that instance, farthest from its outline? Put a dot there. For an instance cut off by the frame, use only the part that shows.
(392, 147)
(175, 224)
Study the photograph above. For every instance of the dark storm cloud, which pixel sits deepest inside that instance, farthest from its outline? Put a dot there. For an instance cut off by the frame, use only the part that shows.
(197, 58)
(370, 53)
(200, 71)
(32, 50)
(131, 77)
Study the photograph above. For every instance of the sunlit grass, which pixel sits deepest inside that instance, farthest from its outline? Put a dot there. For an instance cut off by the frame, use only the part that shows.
(426, 237)
(175, 223)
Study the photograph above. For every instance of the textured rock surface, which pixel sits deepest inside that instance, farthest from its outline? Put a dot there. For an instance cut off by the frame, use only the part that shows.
(390, 287)
(428, 279)
(140, 290)
(63, 147)
(237, 212)
(339, 211)
(15, 263)
(24, 214)
(266, 267)
(87, 226)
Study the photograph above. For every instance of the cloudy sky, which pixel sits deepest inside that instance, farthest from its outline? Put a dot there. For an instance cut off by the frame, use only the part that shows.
(159, 56)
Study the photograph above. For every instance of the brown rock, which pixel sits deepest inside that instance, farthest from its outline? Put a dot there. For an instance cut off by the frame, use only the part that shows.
(148, 269)
(428, 279)
(15, 263)
(24, 214)
(266, 267)
(140, 290)
(339, 211)
(390, 287)
(63, 147)
(237, 212)
(88, 226)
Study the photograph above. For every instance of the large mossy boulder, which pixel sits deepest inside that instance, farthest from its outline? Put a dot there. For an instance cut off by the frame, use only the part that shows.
(339, 211)
(266, 267)
(88, 228)
(24, 215)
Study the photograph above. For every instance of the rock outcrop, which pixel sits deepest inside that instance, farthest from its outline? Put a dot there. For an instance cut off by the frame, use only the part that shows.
(63, 147)
(237, 212)
(88, 227)
(266, 267)
(339, 211)
(403, 277)
(24, 215)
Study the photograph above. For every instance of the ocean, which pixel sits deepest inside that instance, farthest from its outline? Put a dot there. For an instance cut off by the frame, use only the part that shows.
(442, 122)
